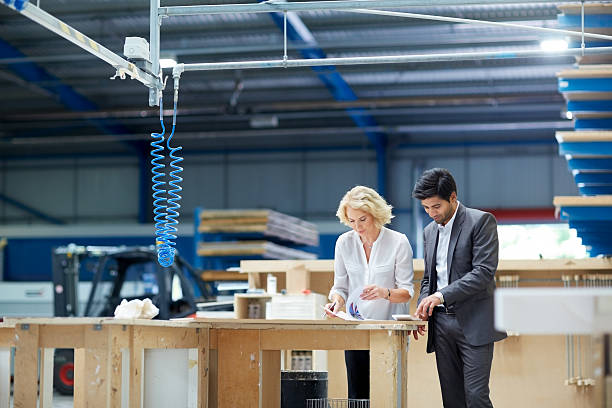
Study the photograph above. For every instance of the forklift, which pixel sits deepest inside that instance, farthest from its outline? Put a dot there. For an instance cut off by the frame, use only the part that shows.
(118, 272)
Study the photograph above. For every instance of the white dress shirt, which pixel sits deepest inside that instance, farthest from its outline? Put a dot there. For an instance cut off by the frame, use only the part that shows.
(444, 233)
(390, 266)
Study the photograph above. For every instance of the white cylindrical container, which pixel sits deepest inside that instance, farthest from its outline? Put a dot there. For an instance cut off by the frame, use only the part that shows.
(271, 283)
(268, 310)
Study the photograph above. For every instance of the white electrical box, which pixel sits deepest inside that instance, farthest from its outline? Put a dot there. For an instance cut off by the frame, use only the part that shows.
(136, 48)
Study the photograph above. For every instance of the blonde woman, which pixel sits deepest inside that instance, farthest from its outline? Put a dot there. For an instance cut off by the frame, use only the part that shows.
(372, 273)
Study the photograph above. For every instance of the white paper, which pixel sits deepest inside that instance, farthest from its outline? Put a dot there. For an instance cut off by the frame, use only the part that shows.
(342, 315)
(366, 308)
(405, 317)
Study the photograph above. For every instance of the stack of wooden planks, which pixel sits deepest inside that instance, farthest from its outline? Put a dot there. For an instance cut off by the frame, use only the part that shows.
(265, 249)
(268, 222)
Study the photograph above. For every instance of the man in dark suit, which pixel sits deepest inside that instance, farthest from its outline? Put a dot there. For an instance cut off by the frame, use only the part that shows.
(461, 254)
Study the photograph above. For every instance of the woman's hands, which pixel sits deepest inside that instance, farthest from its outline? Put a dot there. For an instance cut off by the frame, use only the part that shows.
(371, 292)
(335, 306)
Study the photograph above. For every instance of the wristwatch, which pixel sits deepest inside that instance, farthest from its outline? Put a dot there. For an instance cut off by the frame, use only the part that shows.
(439, 296)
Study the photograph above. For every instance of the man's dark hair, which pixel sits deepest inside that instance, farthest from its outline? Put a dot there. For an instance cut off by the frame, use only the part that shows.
(435, 182)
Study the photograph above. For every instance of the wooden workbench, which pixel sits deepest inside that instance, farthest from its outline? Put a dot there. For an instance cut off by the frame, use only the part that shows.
(238, 361)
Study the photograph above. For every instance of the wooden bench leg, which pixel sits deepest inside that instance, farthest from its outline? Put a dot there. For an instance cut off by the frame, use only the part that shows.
(270, 378)
(26, 366)
(385, 370)
(5, 377)
(46, 378)
(238, 359)
(92, 368)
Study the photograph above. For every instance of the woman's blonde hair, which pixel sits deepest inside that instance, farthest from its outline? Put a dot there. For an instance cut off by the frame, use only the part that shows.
(365, 199)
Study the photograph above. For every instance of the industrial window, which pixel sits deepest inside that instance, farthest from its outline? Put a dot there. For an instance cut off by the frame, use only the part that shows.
(539, 241)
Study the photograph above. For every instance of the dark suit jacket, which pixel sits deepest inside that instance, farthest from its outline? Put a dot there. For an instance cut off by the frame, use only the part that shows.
(472, 261)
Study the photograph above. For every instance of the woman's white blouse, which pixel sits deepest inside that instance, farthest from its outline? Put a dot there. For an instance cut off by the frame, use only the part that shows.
(390, 267)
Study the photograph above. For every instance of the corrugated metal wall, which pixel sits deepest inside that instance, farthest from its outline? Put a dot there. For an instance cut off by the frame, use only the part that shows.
(306, 184)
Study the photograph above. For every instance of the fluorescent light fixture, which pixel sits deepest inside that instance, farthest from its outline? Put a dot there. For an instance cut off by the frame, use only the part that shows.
(262, 121)
(167, 62)
(551, 45)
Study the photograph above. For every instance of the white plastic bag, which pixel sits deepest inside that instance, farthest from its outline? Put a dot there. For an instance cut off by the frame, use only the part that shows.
(136, 309)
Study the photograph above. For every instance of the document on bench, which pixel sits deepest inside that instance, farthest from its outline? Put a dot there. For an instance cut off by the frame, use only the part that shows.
(343, 315)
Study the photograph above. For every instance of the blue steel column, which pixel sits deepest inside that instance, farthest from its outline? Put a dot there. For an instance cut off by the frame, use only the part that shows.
(417, 219)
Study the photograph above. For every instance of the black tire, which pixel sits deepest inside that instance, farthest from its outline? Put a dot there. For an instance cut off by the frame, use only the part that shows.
(63, 371)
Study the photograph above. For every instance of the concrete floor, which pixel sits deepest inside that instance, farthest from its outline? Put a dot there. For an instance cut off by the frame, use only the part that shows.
(59, 401)
(62, 401)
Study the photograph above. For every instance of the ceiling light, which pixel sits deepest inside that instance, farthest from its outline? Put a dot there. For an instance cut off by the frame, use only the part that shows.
(264, 121)
(167, 62)
(551, 45)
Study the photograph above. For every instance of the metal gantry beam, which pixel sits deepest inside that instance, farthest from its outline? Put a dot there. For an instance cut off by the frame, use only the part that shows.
(281, 6)
(123, 66)
(154, 45)
(482, 22)
(388, 59)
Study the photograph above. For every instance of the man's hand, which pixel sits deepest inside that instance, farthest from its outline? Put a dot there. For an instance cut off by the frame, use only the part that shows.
(419, 331)
(426, 307)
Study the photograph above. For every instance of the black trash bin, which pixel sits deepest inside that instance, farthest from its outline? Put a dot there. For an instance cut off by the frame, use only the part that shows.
(298, 386)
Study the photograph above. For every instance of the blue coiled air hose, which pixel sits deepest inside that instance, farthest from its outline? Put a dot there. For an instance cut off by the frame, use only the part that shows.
(166, 201)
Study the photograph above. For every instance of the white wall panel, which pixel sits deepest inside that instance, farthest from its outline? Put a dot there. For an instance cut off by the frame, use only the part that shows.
(204, 184)
(49, 190)
(401, 182)
(327, 182)
(108, 192)
(306, 184)
(510, 182)
(266, 184)
(563, 181)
